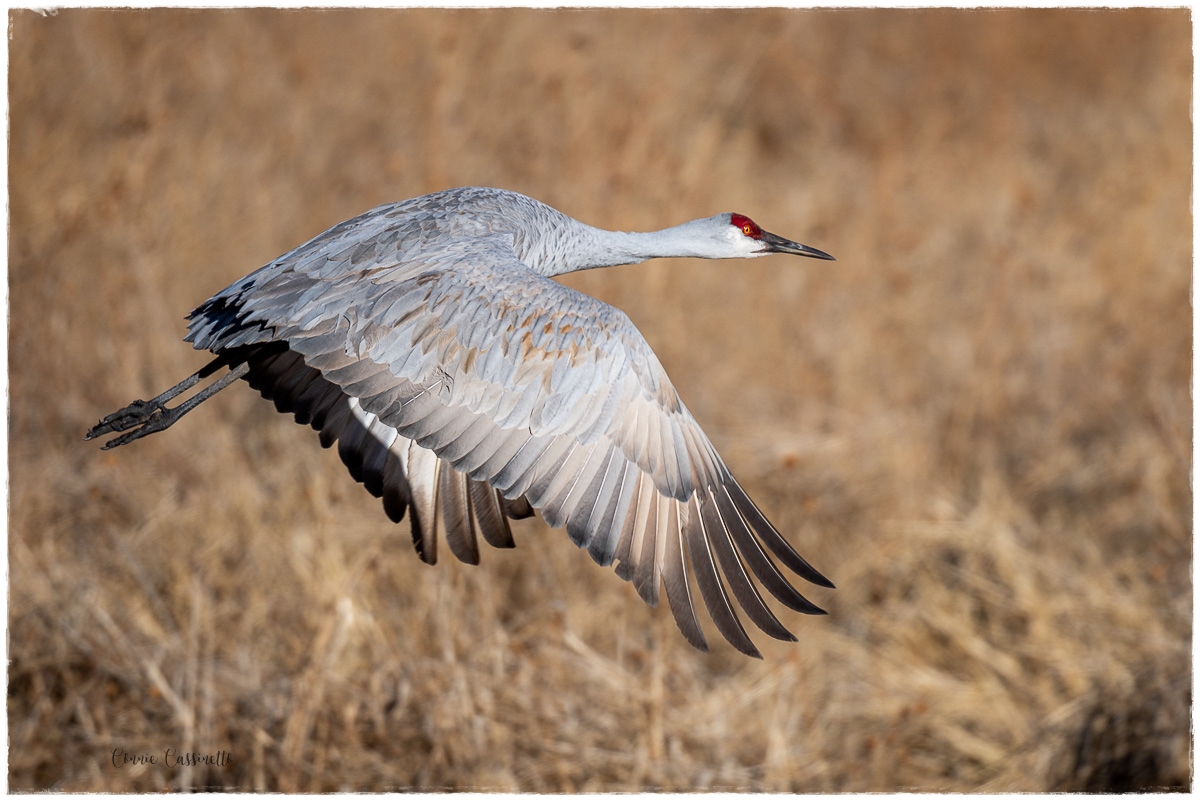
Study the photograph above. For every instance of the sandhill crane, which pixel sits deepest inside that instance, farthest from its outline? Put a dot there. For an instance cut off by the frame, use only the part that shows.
(428, 340)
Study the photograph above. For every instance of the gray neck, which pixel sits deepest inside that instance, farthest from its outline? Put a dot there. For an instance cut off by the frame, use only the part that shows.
(588, 248)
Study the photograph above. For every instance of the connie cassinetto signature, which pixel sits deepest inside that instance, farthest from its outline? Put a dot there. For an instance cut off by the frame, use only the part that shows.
(170, 757)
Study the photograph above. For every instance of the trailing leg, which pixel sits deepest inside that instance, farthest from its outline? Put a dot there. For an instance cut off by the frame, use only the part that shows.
(151, 416)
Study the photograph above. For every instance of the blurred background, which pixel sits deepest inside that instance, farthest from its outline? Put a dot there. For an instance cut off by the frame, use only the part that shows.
(977, 421)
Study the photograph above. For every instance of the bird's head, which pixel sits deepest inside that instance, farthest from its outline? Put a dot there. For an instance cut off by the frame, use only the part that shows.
(751, 241)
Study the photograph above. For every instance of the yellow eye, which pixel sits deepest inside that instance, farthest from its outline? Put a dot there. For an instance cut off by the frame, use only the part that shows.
(746, 229)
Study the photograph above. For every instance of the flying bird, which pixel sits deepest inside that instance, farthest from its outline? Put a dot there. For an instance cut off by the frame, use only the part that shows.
(465, 387)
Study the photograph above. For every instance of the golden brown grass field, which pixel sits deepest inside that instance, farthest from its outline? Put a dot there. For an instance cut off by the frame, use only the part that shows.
(977, 421)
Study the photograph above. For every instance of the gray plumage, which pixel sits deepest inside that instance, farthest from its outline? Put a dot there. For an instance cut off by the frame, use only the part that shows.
(465, 387)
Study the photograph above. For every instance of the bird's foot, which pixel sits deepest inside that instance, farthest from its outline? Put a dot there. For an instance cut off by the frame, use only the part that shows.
(145, 416)
(151, 416)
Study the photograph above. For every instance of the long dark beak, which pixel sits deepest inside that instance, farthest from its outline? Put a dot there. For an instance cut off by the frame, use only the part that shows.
(778, 244)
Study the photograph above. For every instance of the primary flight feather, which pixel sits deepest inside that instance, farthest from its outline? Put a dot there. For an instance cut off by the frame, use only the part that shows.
(463, 385)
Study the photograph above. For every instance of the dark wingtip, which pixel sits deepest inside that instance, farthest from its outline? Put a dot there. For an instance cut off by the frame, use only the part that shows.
(805, 606)
(394, 507)
(647, 592)
(828, 584)
(692, 636)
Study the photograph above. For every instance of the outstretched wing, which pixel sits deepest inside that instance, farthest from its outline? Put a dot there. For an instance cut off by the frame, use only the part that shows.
(461, 380)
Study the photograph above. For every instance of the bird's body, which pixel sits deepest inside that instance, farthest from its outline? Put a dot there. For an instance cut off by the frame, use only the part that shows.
(459, 381)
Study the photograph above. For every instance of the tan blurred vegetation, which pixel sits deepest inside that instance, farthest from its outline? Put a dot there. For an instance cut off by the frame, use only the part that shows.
(977, 421)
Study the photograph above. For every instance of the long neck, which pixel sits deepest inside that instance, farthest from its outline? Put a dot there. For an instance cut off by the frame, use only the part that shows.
(585, 247)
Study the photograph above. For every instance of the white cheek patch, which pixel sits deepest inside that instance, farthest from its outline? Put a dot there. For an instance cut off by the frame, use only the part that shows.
(748, 247)
(740, 240)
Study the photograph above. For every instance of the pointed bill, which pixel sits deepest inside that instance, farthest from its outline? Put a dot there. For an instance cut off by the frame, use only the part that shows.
(778, 244)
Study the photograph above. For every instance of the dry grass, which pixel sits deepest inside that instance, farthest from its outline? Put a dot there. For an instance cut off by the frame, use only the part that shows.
(977, 421)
